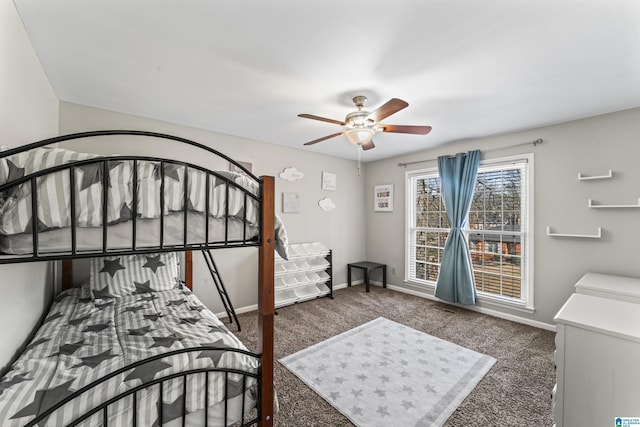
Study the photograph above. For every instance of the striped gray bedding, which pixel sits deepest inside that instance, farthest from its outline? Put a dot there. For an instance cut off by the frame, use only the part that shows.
(82, 339)
(54, 200)
(177, 183)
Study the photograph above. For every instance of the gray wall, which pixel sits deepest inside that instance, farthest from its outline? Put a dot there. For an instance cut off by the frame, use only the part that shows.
(592, 147)
(341, 229)
(28, 112)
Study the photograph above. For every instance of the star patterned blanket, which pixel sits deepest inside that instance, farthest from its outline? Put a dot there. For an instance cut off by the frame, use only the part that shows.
(82, 339)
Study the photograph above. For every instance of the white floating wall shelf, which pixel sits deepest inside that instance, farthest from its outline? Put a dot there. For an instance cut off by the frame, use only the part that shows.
(593, 204)
(598, 235)
(582, 177)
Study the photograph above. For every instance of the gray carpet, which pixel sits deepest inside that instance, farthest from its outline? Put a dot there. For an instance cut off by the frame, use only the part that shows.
(515, 392)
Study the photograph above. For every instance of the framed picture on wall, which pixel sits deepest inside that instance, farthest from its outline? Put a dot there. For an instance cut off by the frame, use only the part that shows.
(234, 168)
(383, 198)
(329, 181)
(290, 202)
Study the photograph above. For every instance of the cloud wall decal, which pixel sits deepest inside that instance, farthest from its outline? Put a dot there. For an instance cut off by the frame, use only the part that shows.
(326, 204)
(291, 174)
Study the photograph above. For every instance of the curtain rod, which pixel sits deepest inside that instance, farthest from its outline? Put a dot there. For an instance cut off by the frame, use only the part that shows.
(534, 143)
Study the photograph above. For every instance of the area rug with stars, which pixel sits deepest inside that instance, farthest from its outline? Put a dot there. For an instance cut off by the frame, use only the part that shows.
(384, 373)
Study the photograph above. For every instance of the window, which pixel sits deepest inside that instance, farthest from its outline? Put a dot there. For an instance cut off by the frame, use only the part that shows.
(497, 230)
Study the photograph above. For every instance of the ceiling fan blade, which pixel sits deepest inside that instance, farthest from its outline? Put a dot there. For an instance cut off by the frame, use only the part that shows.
(417, 130)
(322, 119)
(323, 138)
(390, 107)
(368, 146)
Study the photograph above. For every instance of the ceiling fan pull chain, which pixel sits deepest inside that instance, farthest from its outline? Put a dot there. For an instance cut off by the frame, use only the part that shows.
(359, 150)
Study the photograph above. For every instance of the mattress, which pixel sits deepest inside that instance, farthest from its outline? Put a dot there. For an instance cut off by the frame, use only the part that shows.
(120, 236)
(83, 339)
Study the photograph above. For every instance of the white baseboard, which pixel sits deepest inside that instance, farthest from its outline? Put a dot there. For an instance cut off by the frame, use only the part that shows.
(240, 310)
(254, 307)
(482, 310)
(344, 285)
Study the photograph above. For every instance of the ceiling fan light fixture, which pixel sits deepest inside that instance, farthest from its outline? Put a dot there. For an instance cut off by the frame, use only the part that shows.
(360, 136)
(358, 119)
(360, 126)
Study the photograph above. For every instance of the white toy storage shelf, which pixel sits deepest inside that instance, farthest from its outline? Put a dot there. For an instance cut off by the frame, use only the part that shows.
(307, 274)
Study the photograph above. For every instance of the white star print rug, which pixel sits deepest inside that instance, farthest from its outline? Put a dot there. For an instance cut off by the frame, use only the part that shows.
(383, 373)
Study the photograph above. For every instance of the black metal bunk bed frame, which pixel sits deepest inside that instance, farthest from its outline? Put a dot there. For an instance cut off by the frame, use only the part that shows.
(264, 241)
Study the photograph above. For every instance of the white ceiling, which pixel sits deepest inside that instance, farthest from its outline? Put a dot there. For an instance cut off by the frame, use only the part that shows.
(248, 67)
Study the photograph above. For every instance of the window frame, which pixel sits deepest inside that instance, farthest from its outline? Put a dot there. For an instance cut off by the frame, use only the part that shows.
(526, 162)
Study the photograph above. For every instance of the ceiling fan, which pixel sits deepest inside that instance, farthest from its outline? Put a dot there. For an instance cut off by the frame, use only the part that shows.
(360, 126)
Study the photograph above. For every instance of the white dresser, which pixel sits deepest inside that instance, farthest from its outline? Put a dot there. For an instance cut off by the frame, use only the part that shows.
(610, 286)
(598, 353)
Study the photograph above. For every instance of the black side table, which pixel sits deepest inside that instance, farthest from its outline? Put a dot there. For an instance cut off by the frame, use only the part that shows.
(368, 267)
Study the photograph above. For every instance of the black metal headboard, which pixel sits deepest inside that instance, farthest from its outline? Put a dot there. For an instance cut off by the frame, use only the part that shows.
(32, 180)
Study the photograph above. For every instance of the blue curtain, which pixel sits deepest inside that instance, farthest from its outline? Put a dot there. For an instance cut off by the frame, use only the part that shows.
(458, 180)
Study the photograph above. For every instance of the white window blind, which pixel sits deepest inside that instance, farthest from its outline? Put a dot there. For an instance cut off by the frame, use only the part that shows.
(497, 229)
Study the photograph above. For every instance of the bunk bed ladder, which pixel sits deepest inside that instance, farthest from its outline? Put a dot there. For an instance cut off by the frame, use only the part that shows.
(217, 280)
